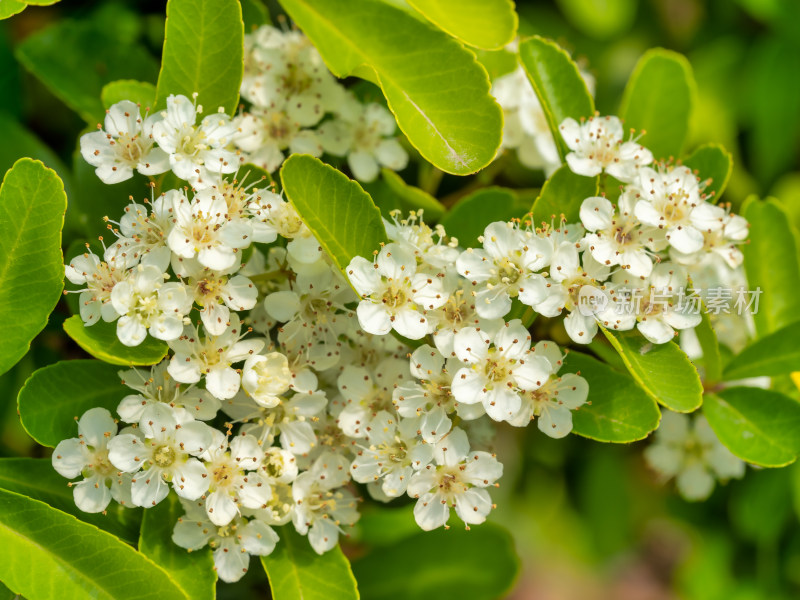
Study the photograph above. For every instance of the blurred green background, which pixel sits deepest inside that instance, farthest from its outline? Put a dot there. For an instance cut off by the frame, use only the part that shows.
(589, 520)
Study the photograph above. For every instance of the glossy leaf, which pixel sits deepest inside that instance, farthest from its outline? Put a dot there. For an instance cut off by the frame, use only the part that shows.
(9, 8)
(32, 207)
(193, 572)
(712, 360)
(36, 478)
(101, 341)
(558, 84)
(770, 261)
(95, 57)
(775, 354)
(658, 99)
(619, 410)
(142, 93)
(296, 572)
(413, 198)
(203, 53)
(487, 24)
(56, 395)
(713, 164)
(563, 194)
(759, 426)
(479, 564)
(470, 216)
(663, 371)
(337, 210)
(440, 97)
(49, 554)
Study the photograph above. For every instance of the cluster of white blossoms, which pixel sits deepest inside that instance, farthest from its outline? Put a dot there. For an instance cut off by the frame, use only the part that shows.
(290, 379)
(295, 105)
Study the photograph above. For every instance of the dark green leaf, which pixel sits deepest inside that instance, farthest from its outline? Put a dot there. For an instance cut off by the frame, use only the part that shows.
(618, 410)
(413, 198)
(470, 216)
(100, 340)
(50, 554)
(193, 572)
(296, 572)
(775, 354)
(712, 360)
(36, 478)
(479, 564)
(713, 164)
(663, 371)
(440, 97)
(563, 194)
(203, 53)
(558, 85)
(770, 260)
(658, 99)
(32, 206)
(139, 92)
(254, 15)
(56, 395)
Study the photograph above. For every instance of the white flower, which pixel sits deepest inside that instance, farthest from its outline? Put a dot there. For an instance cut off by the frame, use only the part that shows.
(145, 303)
(723, 242)
(598, 145)
(232, 544)
(100, 278)
(125, 144)
(671, 200)
(367, 393)
(458, 312)
(265, 378)
(157, 386)
(394, 294)
(273, 216)
(554, 401)
(165, 455)
(218, 293)
(197, 154)
(617, 237)
(202, 228)
(457, 480)
(212, 356)
(689, 450)
(143, 235)
(87, 455)
(505, 269)
(390, 453)
(497, 369)
(364, 133)
(266, 133)
(233, 481)
(322, 507)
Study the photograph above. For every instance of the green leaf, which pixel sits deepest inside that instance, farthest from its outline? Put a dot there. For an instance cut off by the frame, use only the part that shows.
(558, 85)
(663, 371)
(413, 198)
(619, 410)
(56, 395)
(100, 340)
(487, 24)
(434, 86)
(759, 426)
(770, 261)
(203, 53)
(32, 207)
(138, 92)
(563, 194)
(336, 209)
(712, 360)
(497, 62)
(761, 505)
(479, 564)
(470, 216)
(658, 99)
(36, 478)
(254, 15)
(385, 526)
(774, 354)
(601, 19)
(76, 59)
(296, 572)
(50, 554)
(193, 572)
(713, 164)
(9, 8)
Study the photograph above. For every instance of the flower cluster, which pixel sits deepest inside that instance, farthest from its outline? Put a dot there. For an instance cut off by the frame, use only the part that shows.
(290, 378)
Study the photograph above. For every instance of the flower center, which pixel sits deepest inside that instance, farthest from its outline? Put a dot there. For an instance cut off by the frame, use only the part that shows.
(164, 456)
